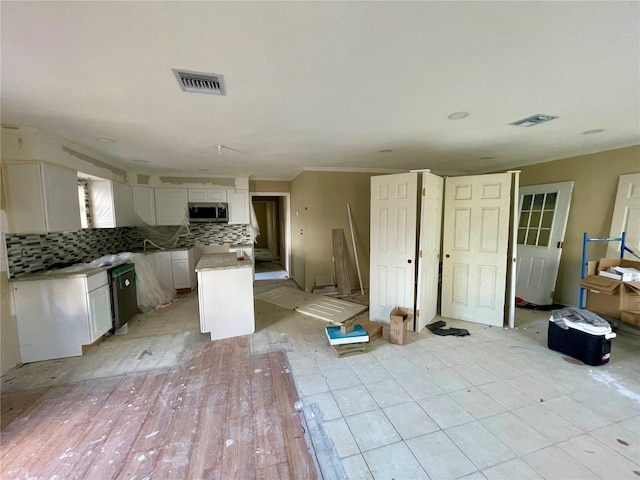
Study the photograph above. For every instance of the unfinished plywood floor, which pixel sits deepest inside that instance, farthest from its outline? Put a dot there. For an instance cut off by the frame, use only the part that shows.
(223, 414)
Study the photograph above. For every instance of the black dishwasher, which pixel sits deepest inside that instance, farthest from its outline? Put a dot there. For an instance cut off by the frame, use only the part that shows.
(124, 304)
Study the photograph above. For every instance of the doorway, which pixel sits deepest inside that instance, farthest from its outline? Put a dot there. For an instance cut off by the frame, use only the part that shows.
(272, 250)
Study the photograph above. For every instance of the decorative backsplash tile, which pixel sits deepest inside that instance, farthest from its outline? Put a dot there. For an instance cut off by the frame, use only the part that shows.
(34, 253)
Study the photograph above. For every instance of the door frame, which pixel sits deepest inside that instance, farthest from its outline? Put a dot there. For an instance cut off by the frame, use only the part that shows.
(287, 223)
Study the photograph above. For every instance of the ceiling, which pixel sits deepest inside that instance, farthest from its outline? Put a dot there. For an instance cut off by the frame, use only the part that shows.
(325, 85)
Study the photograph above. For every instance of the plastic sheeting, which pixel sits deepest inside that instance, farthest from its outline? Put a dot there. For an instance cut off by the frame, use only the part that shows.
(150, 292)
(101, 204)
(163, 236)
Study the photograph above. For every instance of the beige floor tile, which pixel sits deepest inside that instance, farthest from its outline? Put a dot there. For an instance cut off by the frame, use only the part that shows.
(388, 392)
(372, 430)
(327, 404)
(576, 413)
(342, 438)
(440, 457)
(419, 386)
(356, 468)
(445, 411)
(552, 463)
(511, 470)
(476, 374)
(399, 366)
(476, 402)
(354, 400)
(311, 384)
(482, 447)
(410, 420)
(513, 432)
(404, 465)
(448, 379)
(509, 397)
(551, 425)
(340, 378)
(621, 439)
(600, 459)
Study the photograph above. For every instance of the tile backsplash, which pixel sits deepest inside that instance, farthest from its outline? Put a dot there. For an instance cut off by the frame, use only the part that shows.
(34, 253)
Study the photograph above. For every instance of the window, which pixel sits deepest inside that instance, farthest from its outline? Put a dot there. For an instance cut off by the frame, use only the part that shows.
(536, 219)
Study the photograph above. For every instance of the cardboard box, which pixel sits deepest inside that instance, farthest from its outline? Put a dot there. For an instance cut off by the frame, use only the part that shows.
(609, 296)
(399, 318)
(631, 318)
(349, 349)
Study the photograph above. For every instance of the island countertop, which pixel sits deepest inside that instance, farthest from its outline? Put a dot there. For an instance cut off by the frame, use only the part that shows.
(222, 261)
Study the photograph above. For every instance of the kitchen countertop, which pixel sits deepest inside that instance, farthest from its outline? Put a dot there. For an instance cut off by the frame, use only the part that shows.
(80, 270)
(222, 261)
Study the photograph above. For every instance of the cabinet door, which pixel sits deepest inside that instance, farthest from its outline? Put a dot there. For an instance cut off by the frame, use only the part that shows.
(100, 321)
(180, 270)
(164, 268)
(123, 204)
(25, 198)
(238, 207)
(61, 203)
(171, 205)
(144, 204)
(198, 195)
(217, 195)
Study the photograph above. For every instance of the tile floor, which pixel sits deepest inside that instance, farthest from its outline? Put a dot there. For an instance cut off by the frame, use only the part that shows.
(494, 405)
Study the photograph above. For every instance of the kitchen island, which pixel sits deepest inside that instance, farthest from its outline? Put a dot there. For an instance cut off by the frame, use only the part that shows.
(225, 295)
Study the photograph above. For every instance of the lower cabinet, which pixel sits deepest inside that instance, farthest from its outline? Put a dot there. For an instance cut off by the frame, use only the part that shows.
(176, 269)
(57, 316)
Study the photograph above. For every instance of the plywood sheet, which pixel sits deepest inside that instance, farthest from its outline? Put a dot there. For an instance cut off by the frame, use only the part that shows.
(330, 309)
(285, 297)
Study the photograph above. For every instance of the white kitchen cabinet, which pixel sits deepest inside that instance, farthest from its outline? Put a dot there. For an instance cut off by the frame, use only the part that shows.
(238, 207)
(207, 195)
(57, 316)
(183, 268)
(176, 269)
(123, 204)
(111, 204)
(171, 205)
(164, 268)
(41, 197)
(144, 204)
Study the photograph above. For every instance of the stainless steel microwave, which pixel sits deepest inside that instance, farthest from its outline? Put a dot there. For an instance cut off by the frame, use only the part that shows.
(206, 212)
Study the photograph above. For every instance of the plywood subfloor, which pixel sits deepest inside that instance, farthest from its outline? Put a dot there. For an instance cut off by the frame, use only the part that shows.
(224, 414)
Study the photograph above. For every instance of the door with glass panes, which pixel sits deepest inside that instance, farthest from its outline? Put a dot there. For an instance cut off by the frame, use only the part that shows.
(544, 210)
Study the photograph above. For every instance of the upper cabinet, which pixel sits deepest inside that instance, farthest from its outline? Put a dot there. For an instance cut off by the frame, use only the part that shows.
(41, 197)
(171, 205)
(207, 195)
(238, 207)
(111, 204)
(144, 204)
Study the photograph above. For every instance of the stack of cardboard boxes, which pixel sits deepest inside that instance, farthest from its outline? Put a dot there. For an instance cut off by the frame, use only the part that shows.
(613, 289)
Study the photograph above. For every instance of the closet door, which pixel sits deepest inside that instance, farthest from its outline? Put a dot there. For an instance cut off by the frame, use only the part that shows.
(475, 241)
(429, 257)
(394, 202)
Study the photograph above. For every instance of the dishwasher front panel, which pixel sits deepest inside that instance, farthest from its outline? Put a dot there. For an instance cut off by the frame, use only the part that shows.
(123, 294)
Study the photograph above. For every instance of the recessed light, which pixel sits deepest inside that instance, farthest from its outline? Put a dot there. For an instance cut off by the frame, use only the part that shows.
(106, 140)
(458, 115)
(533, 120)
(595, 130)
(385, 151)
(141, 161)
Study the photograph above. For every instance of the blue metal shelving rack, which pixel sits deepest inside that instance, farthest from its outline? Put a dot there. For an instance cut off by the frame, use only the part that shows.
(585, 241)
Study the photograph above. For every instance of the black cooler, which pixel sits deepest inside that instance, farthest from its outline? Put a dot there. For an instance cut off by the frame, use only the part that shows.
(585, 335)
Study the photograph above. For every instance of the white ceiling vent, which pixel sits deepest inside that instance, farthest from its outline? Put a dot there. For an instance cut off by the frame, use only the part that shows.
(533, 120)
(200, 82)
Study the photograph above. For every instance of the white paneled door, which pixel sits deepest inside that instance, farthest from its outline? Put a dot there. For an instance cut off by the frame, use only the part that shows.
(394, 201)
(542, 221)
(429, 258)
(475, 241)
(626, 216)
